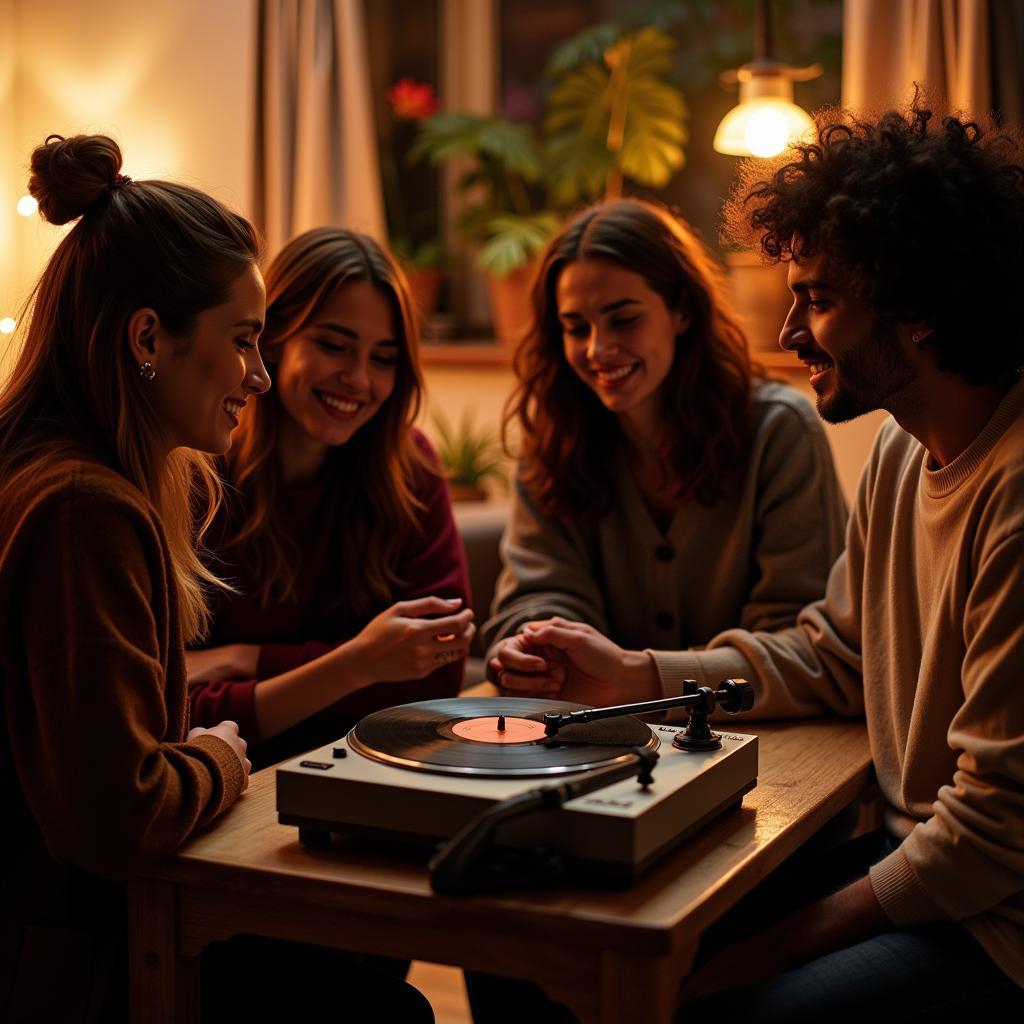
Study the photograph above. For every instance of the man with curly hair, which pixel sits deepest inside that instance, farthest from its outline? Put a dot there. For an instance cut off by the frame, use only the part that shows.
(904, 238)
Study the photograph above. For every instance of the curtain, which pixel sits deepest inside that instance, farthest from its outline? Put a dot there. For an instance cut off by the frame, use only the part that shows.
(944, 45)
(316, 141)
(1007, 33)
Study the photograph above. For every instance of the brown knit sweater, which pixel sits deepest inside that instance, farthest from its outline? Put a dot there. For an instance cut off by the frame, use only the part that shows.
(96, 780)
(922, 629)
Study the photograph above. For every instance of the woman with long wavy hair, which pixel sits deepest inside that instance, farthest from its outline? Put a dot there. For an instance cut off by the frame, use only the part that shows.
(352, 592)
(666, 491)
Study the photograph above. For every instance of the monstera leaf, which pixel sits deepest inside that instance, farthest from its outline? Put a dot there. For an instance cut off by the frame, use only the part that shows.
(622, 105)
(515, 240)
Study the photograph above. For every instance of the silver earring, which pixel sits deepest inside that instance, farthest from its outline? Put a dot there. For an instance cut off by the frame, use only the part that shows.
(918, 336)
(147, 371)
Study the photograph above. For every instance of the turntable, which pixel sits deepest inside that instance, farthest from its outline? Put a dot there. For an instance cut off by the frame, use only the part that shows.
(540, 790)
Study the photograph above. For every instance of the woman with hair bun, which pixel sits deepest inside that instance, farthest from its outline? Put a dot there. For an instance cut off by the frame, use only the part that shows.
(352, 590)
(666, 491)
(138, 357)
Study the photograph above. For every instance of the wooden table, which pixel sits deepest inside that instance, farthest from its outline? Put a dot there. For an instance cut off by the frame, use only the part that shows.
(601, 953)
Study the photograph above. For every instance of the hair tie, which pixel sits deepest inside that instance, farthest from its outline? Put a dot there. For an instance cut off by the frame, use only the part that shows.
(119, 181)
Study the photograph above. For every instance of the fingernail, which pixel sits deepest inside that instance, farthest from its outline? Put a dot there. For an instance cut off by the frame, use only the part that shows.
(454, 600)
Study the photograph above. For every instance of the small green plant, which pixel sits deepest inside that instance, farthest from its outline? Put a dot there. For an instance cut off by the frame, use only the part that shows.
(469, 455)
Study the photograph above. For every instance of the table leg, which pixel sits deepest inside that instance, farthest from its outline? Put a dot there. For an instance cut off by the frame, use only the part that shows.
(164, 984)
(640, 988)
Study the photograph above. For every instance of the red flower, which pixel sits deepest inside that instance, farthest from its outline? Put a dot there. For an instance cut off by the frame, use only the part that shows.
(411, 100)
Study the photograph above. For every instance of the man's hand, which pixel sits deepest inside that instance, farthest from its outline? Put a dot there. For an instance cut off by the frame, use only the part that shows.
(574, 662)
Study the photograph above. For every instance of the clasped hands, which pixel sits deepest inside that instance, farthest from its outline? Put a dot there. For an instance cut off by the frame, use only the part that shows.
(558, 658)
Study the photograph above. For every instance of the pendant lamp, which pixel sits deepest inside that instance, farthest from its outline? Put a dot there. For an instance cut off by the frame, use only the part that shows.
(766, 119)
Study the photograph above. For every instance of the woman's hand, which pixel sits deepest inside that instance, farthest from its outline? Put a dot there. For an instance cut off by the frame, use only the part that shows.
(231, 661)
(573, 661)
(228, 732)
(401, 644)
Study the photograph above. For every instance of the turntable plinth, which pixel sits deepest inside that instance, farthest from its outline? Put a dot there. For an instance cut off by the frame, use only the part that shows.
(429, 784)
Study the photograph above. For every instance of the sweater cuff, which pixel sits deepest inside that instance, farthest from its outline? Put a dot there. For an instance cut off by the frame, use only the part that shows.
(232, 777)
(673, 668)
(900, 893)
(708, 668)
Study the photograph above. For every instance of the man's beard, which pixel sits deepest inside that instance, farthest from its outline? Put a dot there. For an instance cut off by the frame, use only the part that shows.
(866, 378)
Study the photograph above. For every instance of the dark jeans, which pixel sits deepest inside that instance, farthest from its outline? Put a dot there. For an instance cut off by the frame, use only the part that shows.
(931, 972)
(934, 972)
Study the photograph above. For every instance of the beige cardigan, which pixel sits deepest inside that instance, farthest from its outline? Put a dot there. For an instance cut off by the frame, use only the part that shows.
(754, 558)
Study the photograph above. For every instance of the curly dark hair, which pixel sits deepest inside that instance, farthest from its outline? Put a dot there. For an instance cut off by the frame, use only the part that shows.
(923, 210)
(565, 433)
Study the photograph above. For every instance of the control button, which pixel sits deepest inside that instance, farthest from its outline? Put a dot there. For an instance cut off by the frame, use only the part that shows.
(664, 620)
(319, 765)
(339, 753)
(664, 553)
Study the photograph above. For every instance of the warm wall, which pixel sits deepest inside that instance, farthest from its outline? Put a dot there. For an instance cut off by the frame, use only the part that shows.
(171, 81)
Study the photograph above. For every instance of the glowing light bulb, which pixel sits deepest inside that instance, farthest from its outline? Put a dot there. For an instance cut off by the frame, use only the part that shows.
(7, 325)
(26, 207)
(767, 132)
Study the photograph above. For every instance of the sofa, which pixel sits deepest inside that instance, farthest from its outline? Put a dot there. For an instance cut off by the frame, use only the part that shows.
(481, 524)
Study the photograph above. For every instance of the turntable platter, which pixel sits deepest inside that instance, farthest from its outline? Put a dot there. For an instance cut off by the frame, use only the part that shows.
(459, 736)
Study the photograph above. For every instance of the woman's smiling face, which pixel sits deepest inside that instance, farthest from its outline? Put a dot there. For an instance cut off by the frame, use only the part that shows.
(617, 333)
(203, 382)
(335, 373)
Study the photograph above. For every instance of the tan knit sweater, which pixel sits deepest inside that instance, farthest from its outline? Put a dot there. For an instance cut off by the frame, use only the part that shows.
(922, 630)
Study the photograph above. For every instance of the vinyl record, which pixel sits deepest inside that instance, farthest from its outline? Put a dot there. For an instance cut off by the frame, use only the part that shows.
(459, 736)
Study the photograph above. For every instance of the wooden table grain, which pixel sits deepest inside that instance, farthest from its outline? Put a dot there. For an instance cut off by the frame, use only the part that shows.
(598, 952)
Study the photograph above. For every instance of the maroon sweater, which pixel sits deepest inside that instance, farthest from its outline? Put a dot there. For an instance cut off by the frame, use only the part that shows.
(318, 617)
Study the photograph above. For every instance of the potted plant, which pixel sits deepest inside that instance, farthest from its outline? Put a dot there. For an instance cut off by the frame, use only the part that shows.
(500, 220)
(469, 456)
(611, 115)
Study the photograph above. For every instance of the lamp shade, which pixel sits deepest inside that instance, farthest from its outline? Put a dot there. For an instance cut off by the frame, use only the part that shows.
(761, 127)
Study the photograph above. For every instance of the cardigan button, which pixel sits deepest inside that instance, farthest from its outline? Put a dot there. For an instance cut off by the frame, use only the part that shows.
(664, 620)
(664, 553)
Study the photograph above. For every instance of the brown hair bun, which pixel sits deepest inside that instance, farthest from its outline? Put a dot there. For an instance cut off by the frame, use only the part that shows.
(70, 175)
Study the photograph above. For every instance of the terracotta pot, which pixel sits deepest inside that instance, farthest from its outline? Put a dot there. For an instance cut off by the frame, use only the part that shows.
(467, 492)
(425, 286)
(511, 311)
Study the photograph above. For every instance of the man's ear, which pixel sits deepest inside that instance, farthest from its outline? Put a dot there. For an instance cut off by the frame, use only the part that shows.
(143, 326)
(919, 332)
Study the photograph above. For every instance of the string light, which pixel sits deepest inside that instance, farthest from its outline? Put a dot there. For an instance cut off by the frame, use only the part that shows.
(7, 325)
(27, 206)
